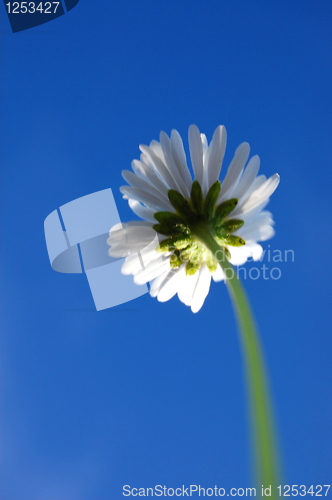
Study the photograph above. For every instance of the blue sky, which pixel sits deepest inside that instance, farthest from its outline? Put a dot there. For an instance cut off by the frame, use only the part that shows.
(148, 393)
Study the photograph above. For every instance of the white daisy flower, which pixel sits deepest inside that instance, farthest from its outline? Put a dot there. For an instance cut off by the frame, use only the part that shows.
(165, 249)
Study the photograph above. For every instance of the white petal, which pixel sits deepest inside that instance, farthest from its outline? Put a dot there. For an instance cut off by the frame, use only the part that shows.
(187, 288)
(241, 202)
(261, 232)
(124, 250)
(255, 185)
(266, 233)
(170, 285)
(148, 253)
(118, 252)
(142, 211)
(147, 198)
(156, 284)
(180, 159)
(202, 288)
(131, 265)
(133, 223)
(256, 250)
(158, 150)
(131, 245)
(247, 179)
(234, 171)
(256, 220)
(205, 146)
(135, 181)
(239, 255)
(156, 162)
(218, 275)
(215, 156)
(246, 216)
(152, 271)
(196, 152)
(262, 193)
(138, 168)
(170, 164)
(145, 170)
(142, 230)
(131, 238)
(116, 227)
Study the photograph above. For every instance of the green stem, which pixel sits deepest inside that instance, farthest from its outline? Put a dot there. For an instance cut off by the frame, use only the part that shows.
(264, 441)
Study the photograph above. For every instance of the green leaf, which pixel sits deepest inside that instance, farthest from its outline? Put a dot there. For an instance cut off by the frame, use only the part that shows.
(196, 197)
(211, 199)
(224, 209)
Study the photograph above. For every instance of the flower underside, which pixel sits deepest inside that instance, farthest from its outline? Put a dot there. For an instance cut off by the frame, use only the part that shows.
(182, 227)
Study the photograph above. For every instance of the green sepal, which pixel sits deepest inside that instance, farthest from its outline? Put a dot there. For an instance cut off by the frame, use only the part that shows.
(220, 233)
(175, 261)
(231, 225)
(211, 263)
(224, 209)
(163, 229)
(211, 199)
(169, 230)
(234, 241)
(227, 253)
(174, 243)
(168, 218)
(196, 254)
(181, 243)
(187, 252)
(228, 227)
(221, 242)
(196, 197)
(192, 267)
(164, 245)
(180, 204)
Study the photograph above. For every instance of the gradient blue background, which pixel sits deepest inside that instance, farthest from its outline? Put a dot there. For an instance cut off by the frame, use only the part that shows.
(148, 393)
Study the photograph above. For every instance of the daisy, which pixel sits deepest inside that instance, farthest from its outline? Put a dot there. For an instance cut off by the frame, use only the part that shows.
(166, 249)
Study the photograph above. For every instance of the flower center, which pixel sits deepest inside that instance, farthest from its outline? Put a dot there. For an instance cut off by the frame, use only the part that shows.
(182, 227)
